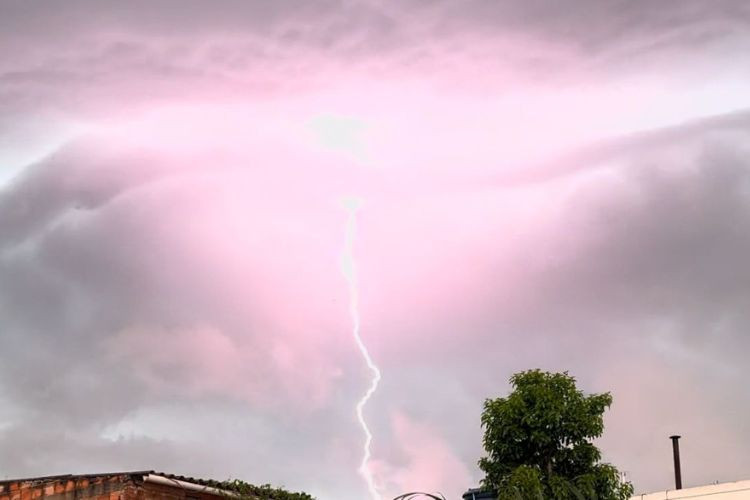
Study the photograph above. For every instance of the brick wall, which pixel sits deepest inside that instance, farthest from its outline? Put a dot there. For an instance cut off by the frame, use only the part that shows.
(110, 487)
(153, 491)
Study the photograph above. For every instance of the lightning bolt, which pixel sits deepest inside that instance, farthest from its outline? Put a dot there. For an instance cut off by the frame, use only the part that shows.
(349, 270)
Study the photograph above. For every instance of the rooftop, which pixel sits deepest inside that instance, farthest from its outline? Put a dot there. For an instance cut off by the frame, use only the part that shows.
(141, 473)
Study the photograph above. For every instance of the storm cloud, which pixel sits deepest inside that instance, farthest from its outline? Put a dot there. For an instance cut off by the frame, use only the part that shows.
(563, 186)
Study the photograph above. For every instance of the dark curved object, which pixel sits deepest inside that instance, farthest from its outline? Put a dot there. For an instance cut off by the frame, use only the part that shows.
(417, 494)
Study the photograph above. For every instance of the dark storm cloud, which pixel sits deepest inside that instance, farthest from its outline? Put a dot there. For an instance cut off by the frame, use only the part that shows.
(88, 53)
(661, 287)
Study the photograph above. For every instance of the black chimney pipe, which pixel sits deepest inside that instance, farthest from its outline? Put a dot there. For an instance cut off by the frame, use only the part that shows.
(676, 452)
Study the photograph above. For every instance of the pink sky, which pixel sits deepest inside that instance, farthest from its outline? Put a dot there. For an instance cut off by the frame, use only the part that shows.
(562, 188)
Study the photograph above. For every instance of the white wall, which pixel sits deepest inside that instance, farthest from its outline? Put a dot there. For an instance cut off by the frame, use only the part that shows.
(739, 490)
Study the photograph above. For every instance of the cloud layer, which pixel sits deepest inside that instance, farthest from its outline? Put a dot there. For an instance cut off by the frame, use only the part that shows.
(564, 188)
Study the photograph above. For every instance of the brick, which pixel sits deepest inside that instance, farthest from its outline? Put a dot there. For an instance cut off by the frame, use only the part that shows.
(26, 494)
(36, 492)
(49, 490)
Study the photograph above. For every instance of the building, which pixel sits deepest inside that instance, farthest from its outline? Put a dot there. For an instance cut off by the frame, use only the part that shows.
(739, 490)
(138, 485)
(478, 494)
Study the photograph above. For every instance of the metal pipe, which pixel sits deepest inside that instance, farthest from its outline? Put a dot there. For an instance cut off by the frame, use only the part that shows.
(676, 453)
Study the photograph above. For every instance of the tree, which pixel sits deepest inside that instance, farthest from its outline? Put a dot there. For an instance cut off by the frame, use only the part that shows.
(240, 490)
(538, 442)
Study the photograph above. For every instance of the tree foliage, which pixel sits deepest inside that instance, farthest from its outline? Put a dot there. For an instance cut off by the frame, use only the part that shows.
(538, 442)
(247, 491)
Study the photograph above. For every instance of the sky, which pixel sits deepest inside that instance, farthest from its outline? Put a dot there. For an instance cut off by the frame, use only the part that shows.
(541, 184)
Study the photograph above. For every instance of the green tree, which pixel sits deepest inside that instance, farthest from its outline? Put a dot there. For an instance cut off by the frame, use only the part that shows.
(538, 442)
(240, 490)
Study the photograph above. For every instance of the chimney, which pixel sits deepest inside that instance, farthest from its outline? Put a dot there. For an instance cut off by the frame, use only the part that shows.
(676, 452)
